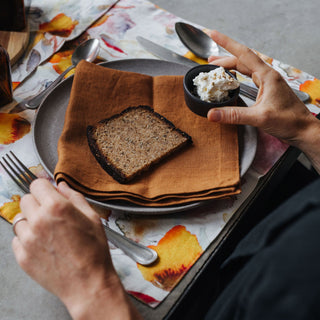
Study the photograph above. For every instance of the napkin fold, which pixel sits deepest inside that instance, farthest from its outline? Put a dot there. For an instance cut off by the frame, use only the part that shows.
(208, 169)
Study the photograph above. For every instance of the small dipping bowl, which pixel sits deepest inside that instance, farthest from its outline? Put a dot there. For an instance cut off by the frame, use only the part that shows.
(193, 101)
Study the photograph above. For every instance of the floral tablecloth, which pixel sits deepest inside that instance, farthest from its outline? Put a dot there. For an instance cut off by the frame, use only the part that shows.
(57, 27)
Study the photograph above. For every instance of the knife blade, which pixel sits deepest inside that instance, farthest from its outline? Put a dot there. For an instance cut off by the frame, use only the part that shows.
(169, 55)
(164, 53)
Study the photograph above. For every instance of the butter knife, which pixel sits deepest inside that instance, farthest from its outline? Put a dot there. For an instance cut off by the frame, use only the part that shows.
(169, 55)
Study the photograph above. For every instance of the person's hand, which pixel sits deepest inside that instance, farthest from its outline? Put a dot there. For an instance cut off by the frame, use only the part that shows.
(62, 245)
(277, 110)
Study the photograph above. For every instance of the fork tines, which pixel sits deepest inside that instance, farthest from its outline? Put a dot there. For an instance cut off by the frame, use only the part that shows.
(17, 171)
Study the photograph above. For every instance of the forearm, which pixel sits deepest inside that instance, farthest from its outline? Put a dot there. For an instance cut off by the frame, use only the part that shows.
(309, 142)
(314, 159)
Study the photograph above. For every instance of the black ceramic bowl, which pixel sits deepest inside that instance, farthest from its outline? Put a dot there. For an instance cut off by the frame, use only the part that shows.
(192, 99)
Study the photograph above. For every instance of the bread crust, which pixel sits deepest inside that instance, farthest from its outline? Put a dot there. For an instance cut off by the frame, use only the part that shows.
(105, 161)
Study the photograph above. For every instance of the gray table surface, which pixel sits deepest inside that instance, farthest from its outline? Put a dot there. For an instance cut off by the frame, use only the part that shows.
(287, 30)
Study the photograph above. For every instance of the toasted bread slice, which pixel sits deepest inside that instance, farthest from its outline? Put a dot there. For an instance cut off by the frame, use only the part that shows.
(134, 140)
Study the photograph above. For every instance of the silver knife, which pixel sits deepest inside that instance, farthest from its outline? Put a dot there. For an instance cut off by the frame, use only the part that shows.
(168, 55)
(164, 53)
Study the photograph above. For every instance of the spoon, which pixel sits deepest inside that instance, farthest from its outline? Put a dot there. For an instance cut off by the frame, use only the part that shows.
(199, 43)
(132, 249)
(87, 50)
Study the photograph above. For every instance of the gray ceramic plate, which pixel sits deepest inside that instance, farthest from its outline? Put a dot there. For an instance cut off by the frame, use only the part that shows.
(50, 119)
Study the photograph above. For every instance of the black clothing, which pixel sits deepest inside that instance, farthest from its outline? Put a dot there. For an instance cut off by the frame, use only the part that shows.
(274, 273)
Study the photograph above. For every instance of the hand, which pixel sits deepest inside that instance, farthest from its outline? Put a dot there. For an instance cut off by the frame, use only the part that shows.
(277, 110)
(62, 245)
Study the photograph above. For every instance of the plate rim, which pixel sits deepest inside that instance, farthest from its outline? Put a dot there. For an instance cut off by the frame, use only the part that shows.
(131, 207)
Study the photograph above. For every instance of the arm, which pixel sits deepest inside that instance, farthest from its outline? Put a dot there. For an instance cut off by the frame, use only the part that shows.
(277, 110)
(62, 246)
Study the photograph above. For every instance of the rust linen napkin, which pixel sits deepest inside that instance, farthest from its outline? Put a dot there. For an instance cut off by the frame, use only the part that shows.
(206, 170)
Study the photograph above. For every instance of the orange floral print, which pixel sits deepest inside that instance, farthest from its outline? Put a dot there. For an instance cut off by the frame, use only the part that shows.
(312, 87)
(12, 128)
(61, 61)
(9, 209)
(60, 25)
(100, 21)
(177, 251)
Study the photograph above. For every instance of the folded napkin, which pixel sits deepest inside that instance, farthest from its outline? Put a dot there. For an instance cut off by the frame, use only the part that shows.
(208, 169)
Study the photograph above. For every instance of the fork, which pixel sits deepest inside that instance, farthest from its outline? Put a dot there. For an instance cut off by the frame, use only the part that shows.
(23, 177)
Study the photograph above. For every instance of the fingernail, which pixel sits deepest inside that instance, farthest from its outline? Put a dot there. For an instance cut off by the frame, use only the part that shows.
(214, 115)
(62, 184)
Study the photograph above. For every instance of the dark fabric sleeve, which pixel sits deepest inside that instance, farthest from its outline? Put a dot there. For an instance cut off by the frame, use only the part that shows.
(274, 273)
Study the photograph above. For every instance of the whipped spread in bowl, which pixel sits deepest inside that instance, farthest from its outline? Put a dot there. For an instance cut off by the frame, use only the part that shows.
(208, 86)
(215, 85)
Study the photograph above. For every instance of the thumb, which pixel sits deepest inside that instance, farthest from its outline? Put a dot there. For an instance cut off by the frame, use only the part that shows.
(232, 115)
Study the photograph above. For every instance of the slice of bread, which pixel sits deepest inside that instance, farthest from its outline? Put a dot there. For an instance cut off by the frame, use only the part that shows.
(132, 141)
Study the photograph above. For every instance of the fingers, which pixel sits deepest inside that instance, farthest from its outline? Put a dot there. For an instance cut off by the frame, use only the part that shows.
(23, 234)
(223, 61)
(44, 192)
(18, 251)
(76, 198)
(245, 55)
(233, 115)
(19, 222)
(29, 206)
(64, 189)
(230, 63)
(44, 195)
(16, 246)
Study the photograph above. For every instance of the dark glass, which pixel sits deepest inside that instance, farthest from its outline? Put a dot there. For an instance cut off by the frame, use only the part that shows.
(5, 78)
(12, 15)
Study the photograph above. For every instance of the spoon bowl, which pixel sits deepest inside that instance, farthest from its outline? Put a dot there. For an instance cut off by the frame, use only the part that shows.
(197, 41)
(87, 50)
